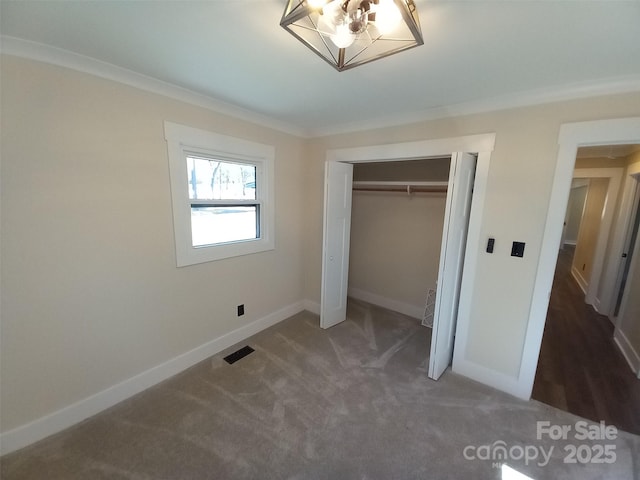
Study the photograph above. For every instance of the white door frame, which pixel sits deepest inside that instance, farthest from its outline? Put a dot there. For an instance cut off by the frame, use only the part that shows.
(483, 145)
(572, 136)
(601, 272)
(630, 354)
(623, 223)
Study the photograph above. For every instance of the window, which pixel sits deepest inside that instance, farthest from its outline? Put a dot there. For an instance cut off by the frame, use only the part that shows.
(223, 201)
(222, 190)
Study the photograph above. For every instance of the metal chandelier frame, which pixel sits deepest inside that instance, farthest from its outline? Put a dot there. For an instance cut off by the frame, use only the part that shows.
(303, 21)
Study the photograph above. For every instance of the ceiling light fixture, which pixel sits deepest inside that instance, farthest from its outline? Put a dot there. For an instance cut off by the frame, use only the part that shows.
(348, 33)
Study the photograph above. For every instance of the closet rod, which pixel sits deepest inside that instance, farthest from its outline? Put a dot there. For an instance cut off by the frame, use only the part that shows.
(409, 189)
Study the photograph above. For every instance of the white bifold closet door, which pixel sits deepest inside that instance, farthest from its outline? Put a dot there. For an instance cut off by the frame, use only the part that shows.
(454, 240)
(335, 243)
(335, 252)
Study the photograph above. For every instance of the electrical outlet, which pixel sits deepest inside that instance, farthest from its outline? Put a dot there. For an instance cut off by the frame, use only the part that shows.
(241, 310)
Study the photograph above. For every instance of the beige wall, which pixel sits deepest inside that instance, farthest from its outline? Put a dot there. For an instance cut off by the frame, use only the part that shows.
(626, 163)
(632, 161)
(519, 185)
(589, 229)
(90, 292)
(601, 162)
(596, 163)
(431, 170)
(395, 244)
(575, 208)
(91, 295)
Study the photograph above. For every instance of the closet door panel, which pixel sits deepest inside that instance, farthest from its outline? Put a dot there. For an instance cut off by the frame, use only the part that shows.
(335, 244)
(454, 239)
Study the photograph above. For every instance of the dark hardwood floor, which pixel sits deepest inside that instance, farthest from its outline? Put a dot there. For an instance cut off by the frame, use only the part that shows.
(580, 369)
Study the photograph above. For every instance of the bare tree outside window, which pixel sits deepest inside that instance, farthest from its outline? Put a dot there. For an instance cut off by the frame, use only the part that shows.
(230, 187)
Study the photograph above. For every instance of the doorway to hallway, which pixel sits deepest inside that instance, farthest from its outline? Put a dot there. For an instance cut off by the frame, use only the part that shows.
(580, 369)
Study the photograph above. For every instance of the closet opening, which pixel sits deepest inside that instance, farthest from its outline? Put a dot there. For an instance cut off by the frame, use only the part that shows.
(395, 235)
(397, 218)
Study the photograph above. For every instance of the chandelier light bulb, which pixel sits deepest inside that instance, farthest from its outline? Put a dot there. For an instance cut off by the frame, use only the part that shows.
(332, 16)
(388, 17)
(316, 4)
(358, 21)
(343, 37)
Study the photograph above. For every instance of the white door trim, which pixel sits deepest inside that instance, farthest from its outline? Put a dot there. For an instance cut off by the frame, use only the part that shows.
(627, 349)
(621, 233)
(572, 136)
(413, 150)
(483, 145)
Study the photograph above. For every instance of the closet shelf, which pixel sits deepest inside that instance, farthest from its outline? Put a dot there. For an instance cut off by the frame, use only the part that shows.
(405, 187)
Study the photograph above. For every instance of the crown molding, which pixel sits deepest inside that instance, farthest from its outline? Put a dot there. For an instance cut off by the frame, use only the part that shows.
(64, 58)
(56, 56)
(608, 86)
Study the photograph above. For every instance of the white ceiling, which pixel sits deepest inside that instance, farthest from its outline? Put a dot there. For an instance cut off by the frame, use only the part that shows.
(476, 55)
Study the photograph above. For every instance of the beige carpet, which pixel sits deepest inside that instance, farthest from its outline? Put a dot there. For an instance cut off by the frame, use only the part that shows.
(351, 402)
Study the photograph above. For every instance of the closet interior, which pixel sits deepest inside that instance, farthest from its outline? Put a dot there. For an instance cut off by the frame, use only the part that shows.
(397, 217)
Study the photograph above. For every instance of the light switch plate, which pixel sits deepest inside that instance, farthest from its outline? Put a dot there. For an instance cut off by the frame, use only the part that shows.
(517, 250)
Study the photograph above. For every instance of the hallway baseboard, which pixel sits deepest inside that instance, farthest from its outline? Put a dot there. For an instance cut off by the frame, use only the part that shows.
(582, 283)
(629, 353)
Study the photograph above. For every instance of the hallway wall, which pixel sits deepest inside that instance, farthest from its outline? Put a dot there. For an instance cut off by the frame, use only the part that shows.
(628, 325)
(575, 208)
(589, 230)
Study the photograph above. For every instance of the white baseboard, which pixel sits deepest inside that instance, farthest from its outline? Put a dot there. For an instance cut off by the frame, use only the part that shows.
(388, 303)
(498, 380)
(603, 309)
(597, 306)
(582, 283)
(55, 422)
(311, 306)
(630, 354)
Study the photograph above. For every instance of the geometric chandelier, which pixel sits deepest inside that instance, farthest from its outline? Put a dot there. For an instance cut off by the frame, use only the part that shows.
(348, 33)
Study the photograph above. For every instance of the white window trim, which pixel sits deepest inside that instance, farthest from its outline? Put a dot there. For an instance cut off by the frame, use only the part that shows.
(182, 141)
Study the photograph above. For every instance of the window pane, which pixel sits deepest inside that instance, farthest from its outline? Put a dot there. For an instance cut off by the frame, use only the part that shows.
(211, 179)
(211, 225)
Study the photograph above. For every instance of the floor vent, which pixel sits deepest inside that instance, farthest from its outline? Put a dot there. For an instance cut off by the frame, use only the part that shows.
(238, 355)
